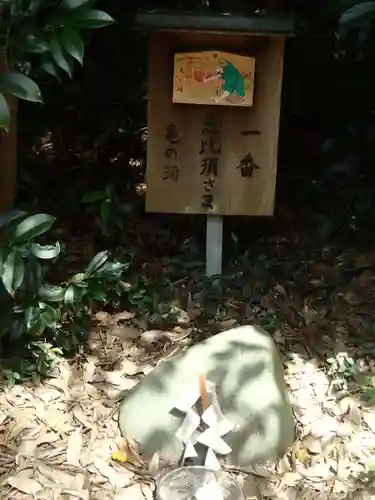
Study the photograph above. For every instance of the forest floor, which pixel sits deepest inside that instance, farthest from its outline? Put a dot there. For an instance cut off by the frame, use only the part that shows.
(60, 437)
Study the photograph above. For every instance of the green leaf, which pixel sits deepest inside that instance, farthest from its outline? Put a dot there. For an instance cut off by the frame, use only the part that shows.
(98, 291)
(49, 314)
(33, 278)
(79, 279)
(93, 196)
(10, 217)
(4, 114)
(17, 328)
(105, 208)
(73, 44)
(70, 296)
(51, 293)
(50, 69)
(13, 272)
(58, 55)
(33, 226)
(358, 14)
(111, 271)
(20, 86)
(73, 4)
(45, 251)
(34, 6)
(97, 262)
(38, 327)
(92, 18)
(37, 271)
(32, 315)
(369, 393)
(34, 45)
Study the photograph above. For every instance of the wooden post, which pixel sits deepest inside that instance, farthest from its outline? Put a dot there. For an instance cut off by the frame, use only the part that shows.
(8, 151)
(214, 245)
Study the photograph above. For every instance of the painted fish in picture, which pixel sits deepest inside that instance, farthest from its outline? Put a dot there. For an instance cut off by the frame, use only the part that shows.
(213, 77)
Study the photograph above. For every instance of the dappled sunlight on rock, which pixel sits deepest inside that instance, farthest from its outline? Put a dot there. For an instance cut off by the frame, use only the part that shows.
(245, 367)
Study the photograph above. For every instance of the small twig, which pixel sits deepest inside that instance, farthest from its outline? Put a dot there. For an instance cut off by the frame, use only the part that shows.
(237, 469)
(337, 471)
(171, 354)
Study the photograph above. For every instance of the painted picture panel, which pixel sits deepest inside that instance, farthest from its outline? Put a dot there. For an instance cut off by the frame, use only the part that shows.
(213, 77)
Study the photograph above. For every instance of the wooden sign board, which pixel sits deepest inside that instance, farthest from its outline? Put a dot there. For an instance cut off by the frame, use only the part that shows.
(212, 77)
(213, 160)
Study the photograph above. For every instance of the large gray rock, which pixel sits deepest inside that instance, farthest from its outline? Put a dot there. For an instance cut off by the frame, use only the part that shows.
(244, 364)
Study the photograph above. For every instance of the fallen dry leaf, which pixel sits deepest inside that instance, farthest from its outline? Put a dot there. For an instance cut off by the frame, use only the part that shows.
(124, 332)
(344, 405)
(48, 437)
(89, 370)
(57, 476)
(302, 455)
(57, 419)
(105, 470)
(104, 317)
(355, 414)
(81, 494)
(24, 484)
(291, 479)
(130, 448)
(313, 445)
(289, 494)
(153, 336)
(126, 366)
(123, 316)
(132, 492)
(178, 333)
(74, 448)
(27, 448)
(60, 384)
(81, 417)
(16, 430)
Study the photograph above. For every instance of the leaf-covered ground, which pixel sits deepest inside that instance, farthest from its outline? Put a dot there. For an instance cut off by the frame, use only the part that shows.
(58, 438)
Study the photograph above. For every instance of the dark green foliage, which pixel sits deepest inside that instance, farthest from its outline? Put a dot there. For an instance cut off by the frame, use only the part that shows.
(42, 35)
(109, 209)
(31, 308)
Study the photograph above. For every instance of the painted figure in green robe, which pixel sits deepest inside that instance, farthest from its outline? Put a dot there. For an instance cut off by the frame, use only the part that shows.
(234, 81)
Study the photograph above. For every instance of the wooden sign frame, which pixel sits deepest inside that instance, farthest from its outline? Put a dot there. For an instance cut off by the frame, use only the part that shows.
(213, 160)
(240, 164)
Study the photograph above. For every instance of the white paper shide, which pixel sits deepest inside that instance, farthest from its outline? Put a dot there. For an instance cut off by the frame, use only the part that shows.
(207, 429)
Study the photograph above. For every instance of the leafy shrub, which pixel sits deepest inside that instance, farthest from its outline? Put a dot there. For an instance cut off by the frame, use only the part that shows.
(32, 310)
(41, 35)
(108, 208)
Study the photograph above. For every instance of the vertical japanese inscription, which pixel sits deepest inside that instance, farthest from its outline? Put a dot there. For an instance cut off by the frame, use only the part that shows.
(171, 170)
(209, 153)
